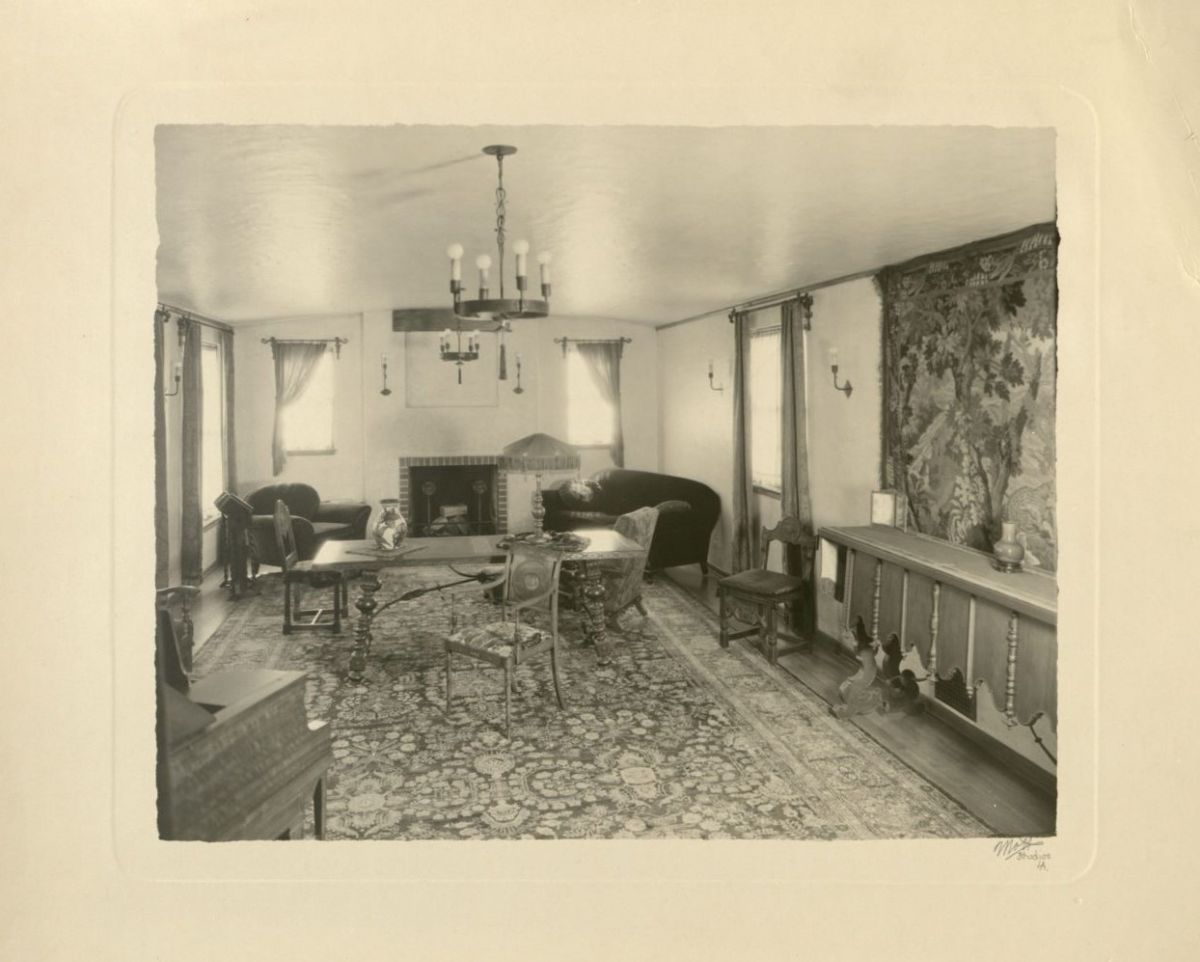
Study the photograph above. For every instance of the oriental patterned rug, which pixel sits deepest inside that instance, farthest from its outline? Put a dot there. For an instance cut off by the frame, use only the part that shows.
(674, 738)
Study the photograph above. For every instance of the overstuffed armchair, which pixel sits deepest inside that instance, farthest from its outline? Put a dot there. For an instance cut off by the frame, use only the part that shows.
(313, 521)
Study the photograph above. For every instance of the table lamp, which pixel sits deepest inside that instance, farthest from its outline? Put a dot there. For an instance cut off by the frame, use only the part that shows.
(533, 455)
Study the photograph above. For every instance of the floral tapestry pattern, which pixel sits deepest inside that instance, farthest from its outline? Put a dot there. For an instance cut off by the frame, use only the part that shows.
(969, 366)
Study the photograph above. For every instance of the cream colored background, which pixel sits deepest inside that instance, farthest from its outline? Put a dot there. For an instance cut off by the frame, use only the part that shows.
(83, 88)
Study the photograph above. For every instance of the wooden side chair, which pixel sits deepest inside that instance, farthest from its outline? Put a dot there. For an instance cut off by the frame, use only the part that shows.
(297, 573)
(765, 591)
(530, 583)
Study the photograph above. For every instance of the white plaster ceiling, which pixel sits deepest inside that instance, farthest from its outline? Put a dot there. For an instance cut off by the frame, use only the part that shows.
(646, 224)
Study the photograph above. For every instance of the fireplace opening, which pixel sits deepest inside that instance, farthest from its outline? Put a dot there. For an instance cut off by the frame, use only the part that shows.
(453, 499)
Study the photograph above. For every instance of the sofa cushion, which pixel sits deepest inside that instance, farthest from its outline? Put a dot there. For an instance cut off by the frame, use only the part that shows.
(326, 529)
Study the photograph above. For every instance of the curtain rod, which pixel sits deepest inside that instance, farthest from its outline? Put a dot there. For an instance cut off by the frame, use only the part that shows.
(337, 342)
(771, 300)
(168, 310)
(564, 341)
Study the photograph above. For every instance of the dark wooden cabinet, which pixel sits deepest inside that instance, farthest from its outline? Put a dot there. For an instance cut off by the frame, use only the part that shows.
(959, 613)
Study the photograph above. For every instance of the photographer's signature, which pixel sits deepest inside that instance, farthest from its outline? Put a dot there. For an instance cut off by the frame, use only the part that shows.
(1023, 849)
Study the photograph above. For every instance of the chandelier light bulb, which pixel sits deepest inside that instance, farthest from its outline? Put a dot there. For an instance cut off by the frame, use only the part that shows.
(455, 253)
(544, 257)
(521, 248)
(483, 262)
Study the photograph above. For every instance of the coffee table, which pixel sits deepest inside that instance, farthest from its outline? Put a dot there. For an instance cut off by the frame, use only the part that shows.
(604, 544)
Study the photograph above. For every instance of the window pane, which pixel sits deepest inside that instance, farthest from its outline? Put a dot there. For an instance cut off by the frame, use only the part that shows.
(212, 451)
(589, 415)
(765, 415)
(308, 421)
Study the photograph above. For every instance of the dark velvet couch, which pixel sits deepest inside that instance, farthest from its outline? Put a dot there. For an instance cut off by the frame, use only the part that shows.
(313, 521)
(687, 511)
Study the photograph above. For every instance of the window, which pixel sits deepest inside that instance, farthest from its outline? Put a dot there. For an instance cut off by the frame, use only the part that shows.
(212, 443)
(308, 421)
(589, 416)
(765, 409)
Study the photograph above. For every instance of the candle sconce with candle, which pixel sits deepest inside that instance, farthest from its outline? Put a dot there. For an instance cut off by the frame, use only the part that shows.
(178, 372)
(833, 364)
(712, 386)
(385, 391)
(518, 389)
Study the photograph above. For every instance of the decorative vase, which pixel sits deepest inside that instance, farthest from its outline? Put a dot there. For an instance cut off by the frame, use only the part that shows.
(391, 528)
(1008, 550)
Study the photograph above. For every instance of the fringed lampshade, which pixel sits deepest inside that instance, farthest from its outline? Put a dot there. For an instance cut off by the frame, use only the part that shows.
(533, 455)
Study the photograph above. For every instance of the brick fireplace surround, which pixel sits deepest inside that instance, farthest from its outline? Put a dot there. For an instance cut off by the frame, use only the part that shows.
(406, 502)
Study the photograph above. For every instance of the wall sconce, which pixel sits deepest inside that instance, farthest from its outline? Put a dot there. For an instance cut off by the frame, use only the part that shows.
(518, 389)
(178, 372)
(833, 364)
(386, 390)
(713, 387)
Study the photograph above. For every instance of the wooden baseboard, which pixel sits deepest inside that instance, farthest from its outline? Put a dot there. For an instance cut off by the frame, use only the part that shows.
(1029, 771)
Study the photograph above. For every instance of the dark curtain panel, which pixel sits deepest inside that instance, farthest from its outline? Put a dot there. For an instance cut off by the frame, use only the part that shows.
(294, 365)
(745, 520)
(225, 339)
(796, 499)
(162, 537)
(191, 564)
(603, 360)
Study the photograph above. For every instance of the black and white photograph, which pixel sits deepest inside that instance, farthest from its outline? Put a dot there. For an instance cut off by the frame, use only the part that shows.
(645, 480)
(565, 482)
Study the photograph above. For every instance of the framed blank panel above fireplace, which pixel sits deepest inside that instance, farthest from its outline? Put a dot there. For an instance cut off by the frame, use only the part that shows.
(430, 382)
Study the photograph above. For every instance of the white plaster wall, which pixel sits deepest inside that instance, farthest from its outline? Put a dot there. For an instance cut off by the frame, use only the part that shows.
(696, 423)
(372, 431)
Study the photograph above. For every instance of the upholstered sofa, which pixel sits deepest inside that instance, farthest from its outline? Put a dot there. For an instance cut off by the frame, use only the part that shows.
(687, 511)
(314, 521)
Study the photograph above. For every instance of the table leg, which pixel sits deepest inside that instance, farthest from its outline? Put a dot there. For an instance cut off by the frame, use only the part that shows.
(366, 606)
(592, 598)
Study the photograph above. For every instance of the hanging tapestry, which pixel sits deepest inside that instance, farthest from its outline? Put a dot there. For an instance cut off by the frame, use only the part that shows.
(968, 390)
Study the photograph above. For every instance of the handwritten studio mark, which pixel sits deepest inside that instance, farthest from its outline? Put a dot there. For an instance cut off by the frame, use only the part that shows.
(1022, 850)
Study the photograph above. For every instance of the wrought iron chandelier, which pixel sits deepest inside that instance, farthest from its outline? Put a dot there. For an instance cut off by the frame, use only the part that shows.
(486, 307)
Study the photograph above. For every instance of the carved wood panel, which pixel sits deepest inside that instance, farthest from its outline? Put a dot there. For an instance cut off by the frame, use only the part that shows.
(991, 649)
(1037, 672)
(918, 618)
(954, 625)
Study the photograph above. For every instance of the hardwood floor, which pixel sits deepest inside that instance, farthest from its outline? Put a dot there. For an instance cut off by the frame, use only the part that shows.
(986, 787)
(983, 785)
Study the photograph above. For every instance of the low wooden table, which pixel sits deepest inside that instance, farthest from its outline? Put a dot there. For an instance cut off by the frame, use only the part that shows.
(604, 544)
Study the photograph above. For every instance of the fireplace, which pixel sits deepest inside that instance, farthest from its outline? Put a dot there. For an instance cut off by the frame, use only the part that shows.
(453, 495)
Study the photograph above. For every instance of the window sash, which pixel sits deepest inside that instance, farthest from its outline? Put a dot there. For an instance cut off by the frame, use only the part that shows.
(308, 420)
(589, 416)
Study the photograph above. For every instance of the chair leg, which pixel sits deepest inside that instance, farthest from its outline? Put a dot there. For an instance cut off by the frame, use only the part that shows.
(637, 603)
(771, 629)
(724, 619)
(319, 809)
(554, 674)
(508, 673)
(449, 679)
(337, 607)
(287, 606)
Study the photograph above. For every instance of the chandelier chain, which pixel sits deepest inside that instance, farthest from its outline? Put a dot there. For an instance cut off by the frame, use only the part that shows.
(501, 213)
